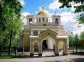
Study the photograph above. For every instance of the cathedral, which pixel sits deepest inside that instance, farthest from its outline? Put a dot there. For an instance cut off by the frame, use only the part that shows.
(44, 32)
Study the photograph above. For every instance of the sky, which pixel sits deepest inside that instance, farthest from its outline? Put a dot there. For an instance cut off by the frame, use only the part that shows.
(68, 18)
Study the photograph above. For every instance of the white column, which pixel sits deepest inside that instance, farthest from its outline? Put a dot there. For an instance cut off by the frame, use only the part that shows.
(45, 19)
(50, 46)
(31, 33)
(38, 33)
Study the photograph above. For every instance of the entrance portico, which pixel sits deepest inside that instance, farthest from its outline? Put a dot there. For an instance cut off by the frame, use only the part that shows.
(40, 39)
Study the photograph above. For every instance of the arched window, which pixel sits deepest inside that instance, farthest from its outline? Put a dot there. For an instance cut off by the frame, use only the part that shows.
(56, 21)
(30, 19)
(43, 19)
(44, 24)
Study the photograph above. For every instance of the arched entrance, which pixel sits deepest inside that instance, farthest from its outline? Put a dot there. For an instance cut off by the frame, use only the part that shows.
(45, 45)
(48, 46)
(48, 42)
(36, 48)
(60, 47)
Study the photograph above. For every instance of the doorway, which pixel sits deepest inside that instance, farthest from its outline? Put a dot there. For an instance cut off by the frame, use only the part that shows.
(45, 45)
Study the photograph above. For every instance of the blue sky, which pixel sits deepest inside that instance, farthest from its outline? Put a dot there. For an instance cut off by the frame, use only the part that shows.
(52, 6)
(32, 6)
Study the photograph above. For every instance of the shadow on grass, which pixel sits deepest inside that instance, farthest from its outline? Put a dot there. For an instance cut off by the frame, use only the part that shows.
(6, 56)
(78, 60)
(78, 53)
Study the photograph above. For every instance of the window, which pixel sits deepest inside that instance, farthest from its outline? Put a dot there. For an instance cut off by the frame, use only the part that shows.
(43, 19)
(44, 24)
(30, 19)
(35, 33)
(56, 21)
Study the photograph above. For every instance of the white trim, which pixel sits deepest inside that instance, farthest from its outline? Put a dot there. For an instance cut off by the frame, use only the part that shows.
(62, 36)
(33, 36)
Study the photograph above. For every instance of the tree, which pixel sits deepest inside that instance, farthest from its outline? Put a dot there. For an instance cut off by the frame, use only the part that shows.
(82, 36)
(10, 23)
(78, 9)
(82, 39)
(71, 41)
(76, 41)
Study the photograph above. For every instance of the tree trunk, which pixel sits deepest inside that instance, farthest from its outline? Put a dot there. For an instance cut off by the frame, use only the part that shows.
(76, 48)
(0, 50)
(10, 42)
(22, 45)
(15, 50)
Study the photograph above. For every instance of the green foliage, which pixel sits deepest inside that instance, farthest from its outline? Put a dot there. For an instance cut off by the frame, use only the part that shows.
(73, 40)
(76, 38)
(68, 4)
(10, 23)
(81, 18)
(82, 36)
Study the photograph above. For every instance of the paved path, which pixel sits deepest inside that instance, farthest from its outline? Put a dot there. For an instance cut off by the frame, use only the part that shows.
(67, 58)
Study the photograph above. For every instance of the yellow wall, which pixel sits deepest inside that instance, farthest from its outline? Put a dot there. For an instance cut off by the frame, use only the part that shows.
(60, 44)
(35, 33)
(26, 41)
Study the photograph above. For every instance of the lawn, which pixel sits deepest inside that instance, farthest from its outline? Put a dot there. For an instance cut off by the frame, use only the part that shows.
(6, 56)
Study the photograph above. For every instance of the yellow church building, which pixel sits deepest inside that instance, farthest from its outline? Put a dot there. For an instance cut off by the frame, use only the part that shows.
(44, 31)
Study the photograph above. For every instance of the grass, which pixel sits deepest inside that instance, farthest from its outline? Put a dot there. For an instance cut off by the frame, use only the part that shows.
(6, 56)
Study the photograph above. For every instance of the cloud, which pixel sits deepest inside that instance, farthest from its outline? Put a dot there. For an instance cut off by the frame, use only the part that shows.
(22, 2)
(68, 17)
(23, 17)
(79, 29)
(55, 5)
(25, 13)
(70, 23)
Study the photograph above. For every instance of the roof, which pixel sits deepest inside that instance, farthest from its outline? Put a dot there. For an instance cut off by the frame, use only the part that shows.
(42, 12)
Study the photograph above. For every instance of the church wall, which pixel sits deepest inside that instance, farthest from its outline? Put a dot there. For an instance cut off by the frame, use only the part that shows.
(60, 45)
(40, 23)
(26, 42)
